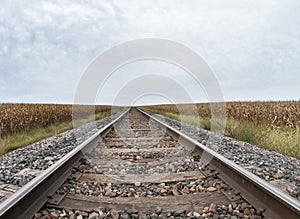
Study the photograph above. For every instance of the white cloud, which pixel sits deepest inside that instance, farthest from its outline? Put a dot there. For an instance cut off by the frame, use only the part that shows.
(253, 46)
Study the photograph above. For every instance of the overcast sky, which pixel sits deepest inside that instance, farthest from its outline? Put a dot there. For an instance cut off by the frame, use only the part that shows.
(253, 47)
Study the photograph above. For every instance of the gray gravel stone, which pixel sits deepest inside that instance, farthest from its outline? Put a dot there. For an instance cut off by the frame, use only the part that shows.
(179, 212)
(158, 210)
(40, 155)
(94, 215)
(268, 165)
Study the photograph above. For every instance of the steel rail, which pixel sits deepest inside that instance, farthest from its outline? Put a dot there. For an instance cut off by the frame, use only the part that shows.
(259, 193)
(31, 197)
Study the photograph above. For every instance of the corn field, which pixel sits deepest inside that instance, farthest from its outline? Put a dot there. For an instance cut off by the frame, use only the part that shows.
(281, 113)
(16, 118)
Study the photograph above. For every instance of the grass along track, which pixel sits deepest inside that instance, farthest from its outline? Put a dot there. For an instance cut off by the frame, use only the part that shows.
(281, 139)
(22, 139)
(279, 113)
(98, 183)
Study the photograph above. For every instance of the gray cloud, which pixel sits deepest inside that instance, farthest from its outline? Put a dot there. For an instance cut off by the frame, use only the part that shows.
(252, 46)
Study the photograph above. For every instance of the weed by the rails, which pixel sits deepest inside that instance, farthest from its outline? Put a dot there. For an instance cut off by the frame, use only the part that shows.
(278, 113)
(21, 139)
(24, 124)
(17, 118)
(284, 139)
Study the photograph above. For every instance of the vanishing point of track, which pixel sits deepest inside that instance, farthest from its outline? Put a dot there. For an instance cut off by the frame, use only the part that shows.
(139, 167)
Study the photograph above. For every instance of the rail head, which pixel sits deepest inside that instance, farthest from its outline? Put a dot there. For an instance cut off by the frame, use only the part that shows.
(14, 205)
(281, 205)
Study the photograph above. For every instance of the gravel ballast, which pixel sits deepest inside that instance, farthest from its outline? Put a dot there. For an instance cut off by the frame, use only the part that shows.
(20, 166)
(279, 170)
(232, 211)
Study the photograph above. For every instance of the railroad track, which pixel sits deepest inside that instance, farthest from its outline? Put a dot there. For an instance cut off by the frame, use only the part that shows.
(138, 167)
